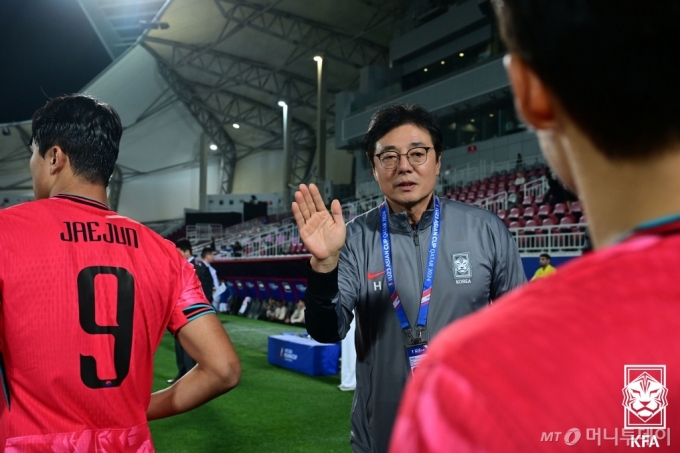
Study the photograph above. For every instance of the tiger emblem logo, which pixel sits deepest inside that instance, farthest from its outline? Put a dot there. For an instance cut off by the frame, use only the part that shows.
(644, 397)
(461, 265)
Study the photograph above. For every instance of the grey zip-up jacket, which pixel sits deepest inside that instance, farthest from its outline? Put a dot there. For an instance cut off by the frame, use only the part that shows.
(477, 262)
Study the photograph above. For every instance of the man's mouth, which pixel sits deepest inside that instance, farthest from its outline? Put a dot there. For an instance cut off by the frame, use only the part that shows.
(406, 184)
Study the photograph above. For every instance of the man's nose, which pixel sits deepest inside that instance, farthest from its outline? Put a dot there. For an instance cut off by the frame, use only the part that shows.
(404, 164)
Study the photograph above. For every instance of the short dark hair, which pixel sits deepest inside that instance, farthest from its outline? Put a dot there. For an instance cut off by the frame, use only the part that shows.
(610, 63)
(206, 251)
(87, 130)
(183, 244)
(395, 115)
(544, 255)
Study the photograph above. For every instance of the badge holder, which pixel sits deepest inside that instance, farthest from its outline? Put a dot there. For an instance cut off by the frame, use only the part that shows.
(416, 348)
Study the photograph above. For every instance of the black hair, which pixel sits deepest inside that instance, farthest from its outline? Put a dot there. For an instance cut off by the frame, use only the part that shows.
(206, 251)
(87, 130)
(392, 116)
(611, 64)
(183, 244)
(545, 255)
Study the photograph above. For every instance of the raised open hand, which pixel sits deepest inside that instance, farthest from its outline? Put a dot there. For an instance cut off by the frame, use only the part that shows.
(323, 233)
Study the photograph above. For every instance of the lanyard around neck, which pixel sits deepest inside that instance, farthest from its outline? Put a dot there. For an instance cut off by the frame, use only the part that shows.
(429, 270)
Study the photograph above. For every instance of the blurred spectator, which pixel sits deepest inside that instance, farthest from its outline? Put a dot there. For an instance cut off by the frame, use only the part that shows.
(557, 193)
(545, 268)
(348, 364)
(298, 317)
(271, 310)
(520, 179)
(243, 309)
(519, 163)
(237, 249)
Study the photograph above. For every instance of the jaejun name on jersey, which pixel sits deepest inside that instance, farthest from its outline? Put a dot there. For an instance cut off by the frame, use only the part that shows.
(91, 232)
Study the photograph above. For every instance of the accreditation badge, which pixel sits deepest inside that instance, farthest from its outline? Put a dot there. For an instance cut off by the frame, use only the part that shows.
(414, 354)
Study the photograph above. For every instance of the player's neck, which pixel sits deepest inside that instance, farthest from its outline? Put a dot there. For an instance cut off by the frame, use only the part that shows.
(81, 189)
(619, 196)
(414, 212)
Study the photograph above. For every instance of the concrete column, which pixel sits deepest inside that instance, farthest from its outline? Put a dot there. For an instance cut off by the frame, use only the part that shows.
(203, 175)
(286, 153)
(321, 118)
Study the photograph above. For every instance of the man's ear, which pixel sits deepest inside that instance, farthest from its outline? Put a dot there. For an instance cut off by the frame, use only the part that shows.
(57, 159)
(533, 100)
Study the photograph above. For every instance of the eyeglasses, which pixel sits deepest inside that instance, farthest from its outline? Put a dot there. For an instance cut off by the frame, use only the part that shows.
(416, 156)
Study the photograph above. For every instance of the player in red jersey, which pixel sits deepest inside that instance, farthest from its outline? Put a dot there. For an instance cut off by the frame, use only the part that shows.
(80, 322)
(587, 359)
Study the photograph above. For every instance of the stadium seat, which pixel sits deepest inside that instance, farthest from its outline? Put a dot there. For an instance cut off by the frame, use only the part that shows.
(539, 199)
(502, 214)
(529, 200)
(490, 193)
(514, 214)
(544, 211)
(560, 210)
(567, 220)
(576, 209)
(529, 212)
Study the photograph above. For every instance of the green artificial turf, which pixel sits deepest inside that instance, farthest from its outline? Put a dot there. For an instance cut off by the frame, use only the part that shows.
(272, 410)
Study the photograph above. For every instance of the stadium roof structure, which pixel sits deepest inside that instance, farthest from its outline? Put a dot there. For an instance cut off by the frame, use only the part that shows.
(204, 66)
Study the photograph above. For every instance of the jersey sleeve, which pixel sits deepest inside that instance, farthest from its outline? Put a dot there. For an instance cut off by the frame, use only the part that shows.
(191, 303)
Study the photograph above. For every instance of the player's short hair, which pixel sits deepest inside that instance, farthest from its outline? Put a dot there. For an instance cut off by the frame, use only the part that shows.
(395, 115)
(544, 255)
(87, 130)
(206, 251)
(183, 244)
(610, 63)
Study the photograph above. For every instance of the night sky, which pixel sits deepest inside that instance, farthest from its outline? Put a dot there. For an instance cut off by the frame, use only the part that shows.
(47, 48)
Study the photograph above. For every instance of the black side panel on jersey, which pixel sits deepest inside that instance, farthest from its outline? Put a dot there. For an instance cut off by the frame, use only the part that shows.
(3, 377)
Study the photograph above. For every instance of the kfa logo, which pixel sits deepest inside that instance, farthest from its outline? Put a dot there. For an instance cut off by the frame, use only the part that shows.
(462, 269)
(645, 396)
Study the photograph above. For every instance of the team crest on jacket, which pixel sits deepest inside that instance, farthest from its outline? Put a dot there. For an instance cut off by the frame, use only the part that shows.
(462, 269)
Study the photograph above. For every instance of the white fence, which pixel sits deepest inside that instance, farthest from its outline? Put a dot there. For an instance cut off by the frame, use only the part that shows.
(550, 239)
(535, 187)
(494, 203)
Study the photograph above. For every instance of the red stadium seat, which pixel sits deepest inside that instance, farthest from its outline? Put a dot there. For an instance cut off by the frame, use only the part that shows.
(576, 209)
(539, 199)
(502, 214)
(529, 200)
(529, 212)
(560, 210)
(567, 220)
(544, 211)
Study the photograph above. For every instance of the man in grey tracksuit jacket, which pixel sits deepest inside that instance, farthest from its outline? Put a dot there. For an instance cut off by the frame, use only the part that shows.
(471, 235)
(476, 262)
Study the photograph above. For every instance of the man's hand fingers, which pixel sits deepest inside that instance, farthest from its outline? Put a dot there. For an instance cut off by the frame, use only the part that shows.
(317, 199)
(302, 206)
(308, 197)
(336, 210)
(299, 218)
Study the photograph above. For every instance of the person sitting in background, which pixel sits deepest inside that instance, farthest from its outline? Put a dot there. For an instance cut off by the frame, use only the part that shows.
(270, 307)
(520, 179)
(298, 318)
(279, 311)
(545, 268)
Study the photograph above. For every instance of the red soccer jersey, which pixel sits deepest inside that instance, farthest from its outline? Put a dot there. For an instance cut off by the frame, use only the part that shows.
(560, 364)
(85, 296)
